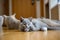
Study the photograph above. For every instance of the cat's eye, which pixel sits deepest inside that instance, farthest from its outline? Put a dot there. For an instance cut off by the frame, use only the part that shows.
(24, 24)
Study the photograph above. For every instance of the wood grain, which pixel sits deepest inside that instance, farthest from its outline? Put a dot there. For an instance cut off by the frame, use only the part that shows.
(38, 35)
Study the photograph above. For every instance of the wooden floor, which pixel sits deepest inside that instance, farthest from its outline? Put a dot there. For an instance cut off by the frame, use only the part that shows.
(39, 35)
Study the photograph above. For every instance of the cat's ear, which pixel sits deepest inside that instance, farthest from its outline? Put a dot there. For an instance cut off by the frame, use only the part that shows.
(21, 18)
(30, 18)
(4, 16)
(14, 14)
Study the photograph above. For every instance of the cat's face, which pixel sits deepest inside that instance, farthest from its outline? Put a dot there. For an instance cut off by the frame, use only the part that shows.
(25, 24)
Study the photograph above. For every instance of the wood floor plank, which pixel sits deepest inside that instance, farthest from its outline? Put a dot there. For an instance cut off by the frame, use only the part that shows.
(38, 35)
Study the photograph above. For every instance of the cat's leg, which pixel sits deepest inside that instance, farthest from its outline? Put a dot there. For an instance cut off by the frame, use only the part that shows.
(54, 24)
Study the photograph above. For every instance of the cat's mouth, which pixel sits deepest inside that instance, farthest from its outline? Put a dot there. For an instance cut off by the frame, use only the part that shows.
(25, 30)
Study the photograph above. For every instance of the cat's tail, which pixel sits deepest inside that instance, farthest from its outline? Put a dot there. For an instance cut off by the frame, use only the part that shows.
(53, 28)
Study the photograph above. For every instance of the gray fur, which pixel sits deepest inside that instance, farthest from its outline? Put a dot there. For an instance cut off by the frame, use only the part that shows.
(36, 24)
(33, 25)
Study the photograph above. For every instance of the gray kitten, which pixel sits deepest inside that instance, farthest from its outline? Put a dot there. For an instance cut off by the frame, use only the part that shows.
(29, 24)
(35, 24)
(25, 24)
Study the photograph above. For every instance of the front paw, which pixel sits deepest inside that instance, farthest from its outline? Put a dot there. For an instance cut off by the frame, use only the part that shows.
(44, 28)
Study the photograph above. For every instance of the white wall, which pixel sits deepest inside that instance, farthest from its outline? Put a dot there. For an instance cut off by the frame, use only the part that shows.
(53, 3)
(59, 2)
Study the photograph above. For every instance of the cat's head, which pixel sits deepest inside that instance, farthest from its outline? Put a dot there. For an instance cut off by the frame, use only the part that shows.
(10, 18)
(5, 16)
(26, 24)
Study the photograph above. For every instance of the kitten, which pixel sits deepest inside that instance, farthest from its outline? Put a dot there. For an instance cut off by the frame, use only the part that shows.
(28, 24)
(12, 22)
(35, 24)
(25, 24)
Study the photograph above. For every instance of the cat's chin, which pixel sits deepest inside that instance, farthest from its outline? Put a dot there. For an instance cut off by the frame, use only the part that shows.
(26, 30)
